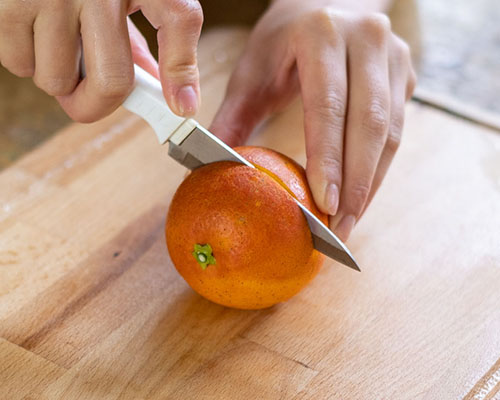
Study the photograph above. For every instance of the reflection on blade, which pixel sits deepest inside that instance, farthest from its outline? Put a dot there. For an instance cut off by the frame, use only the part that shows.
(342, 256)
(200, 147)
(205, 148)
(183, 157)
(326, 242)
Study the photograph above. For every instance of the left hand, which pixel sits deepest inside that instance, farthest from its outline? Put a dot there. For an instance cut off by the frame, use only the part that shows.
(354, 76)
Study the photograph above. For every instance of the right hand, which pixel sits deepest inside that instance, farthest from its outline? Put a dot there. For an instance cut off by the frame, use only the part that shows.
(43, 39)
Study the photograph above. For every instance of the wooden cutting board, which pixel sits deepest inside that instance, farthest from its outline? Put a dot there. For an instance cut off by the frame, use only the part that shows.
(92, 308)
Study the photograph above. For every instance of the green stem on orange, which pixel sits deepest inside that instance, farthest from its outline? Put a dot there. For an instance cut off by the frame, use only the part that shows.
(203, 254)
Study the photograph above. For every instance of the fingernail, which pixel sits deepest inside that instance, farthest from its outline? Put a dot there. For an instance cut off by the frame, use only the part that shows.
(332, 198)
(187, 100)
(345, 226)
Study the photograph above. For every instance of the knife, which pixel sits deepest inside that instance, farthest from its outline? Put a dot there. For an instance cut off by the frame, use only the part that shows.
(193, 146)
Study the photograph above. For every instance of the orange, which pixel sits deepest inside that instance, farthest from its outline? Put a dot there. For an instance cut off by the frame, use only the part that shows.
(236, 235)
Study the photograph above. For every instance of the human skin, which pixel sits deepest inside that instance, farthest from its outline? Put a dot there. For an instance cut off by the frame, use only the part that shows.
(353, 74)
(43, 39)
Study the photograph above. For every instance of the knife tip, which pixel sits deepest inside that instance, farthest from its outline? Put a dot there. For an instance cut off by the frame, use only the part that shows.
(353, 264)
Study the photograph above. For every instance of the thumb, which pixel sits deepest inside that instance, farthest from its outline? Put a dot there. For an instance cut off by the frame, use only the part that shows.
(179, 26)
(242, 109)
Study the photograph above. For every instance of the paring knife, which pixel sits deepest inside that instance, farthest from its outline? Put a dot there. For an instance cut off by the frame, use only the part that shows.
(193, 146)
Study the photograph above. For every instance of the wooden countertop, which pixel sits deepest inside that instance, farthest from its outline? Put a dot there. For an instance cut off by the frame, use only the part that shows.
(91, 307)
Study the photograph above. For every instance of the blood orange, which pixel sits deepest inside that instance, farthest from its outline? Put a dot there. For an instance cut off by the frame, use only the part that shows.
(236, 235)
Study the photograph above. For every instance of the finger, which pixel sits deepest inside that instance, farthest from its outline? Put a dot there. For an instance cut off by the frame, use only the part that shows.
(141, 54)
(412, 79)
(367, 122)
(402, 60)
(243, 106)
(402, 81)
(108, 62)
(323, 82)
(179, 26)
(57, 49)
(16, 41)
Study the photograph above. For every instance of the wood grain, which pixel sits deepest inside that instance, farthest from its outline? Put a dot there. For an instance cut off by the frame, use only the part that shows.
(91, 307)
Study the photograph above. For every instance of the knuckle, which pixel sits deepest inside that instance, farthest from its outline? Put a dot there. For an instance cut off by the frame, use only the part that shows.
(189, 10)
(113, 82)
(402, 56)
(321, 20)
(56, 86)
(20, 69)
(375, 121)
(397, 122)
(332, 106)
(335, 105)
(328, 160)
(402, 52)
(182, 71)
(325, 164)
(376, 26)
(359, 192)
(378, 22)
(393, 141)
(405, 50)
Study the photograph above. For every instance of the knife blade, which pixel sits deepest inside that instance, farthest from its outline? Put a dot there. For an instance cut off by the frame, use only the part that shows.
(193, 146)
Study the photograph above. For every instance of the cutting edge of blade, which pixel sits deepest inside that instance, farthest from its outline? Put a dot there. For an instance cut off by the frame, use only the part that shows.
(314, 223)
(328, 236)
(180, 139)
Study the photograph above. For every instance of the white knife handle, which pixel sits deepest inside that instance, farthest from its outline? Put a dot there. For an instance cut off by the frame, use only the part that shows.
(147, 101)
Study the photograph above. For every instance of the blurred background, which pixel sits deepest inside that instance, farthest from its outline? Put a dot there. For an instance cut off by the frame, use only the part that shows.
(456, 49)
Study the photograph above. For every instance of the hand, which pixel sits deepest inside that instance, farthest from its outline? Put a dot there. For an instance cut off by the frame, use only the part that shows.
(354, 76)
(43, 39)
